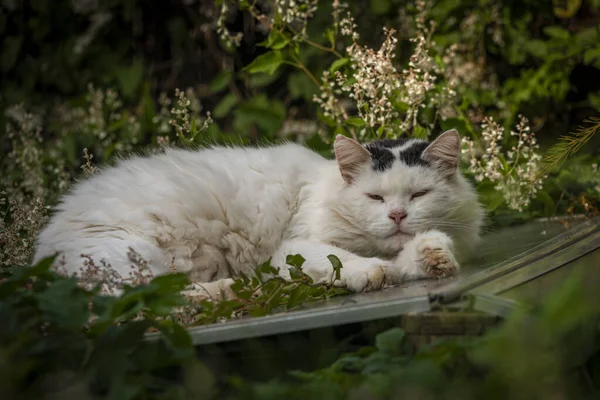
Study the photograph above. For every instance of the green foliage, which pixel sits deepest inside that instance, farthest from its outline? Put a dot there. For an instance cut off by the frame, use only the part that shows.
(532, 355)
(500, 60)
(58, 339)
(268, 293)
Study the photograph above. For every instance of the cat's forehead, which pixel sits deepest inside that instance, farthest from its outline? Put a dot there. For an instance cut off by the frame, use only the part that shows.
(385, 153)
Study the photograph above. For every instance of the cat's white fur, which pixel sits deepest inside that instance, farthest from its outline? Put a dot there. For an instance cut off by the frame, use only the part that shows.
(220, 211)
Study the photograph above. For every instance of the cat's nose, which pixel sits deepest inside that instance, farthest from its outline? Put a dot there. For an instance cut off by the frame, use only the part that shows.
(397, 216)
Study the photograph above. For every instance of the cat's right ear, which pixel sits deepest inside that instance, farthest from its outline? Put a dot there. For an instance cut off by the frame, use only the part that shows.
(350, 156)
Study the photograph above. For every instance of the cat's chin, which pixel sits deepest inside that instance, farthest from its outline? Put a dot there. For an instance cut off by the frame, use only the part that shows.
(398, 239)
(400, 234)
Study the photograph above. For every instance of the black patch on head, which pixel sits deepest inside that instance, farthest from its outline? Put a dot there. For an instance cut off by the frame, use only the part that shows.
(383, 154)
(390, 143)
(382, 158)
(412, 155)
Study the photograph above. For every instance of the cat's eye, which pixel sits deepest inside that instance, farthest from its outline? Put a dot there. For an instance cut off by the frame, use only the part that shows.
(419, 194)
(375, 197)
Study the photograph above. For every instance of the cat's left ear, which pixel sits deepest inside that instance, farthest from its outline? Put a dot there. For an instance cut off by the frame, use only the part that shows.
(444, 152)
(350, 156)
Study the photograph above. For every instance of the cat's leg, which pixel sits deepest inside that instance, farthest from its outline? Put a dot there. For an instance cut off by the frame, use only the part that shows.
(357, 273)
(427, 255)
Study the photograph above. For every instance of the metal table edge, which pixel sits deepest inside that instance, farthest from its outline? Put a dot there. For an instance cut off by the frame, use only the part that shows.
(303, 320)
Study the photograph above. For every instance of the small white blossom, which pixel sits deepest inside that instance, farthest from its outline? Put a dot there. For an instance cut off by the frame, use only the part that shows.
(514, 171)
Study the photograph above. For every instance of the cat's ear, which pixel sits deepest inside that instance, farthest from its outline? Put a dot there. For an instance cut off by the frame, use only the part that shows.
(350, 156)
(444, 152)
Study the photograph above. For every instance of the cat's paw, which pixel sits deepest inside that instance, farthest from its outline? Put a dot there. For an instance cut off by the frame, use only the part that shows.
(362, 276)
(434, 255)
(427, 255)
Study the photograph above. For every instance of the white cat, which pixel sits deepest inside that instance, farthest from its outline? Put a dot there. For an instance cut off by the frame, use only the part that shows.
(391, 210)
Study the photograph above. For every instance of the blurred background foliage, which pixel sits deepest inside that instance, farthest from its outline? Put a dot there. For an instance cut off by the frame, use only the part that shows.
(102, 75)
(540, 59)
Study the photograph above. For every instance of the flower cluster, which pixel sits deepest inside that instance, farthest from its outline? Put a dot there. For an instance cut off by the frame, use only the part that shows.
(293, 13)
(372, 84)
(381, 93)
(515, 171)
(296, 13)
(17, 236)
(186, 116)
(99, 272)
(224, 33)
(346, 25)
(25, 160)
(103, 118)
(87, 167)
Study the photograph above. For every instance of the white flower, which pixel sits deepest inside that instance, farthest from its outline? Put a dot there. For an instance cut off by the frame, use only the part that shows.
(515, 172)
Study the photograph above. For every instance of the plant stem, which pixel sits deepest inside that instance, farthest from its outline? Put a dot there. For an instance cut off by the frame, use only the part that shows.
(300, 65)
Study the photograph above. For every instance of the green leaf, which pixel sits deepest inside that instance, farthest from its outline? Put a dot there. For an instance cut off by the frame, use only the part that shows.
(297, 296)
(591, 55)
(330, 35)
(390, 342)
(220, 81)
(537, 48)
(224, 106)
(276, 40)
(11, 47)
(300, 86)
(22, 275)
(356, 121)
(337, 64)
(336, 264)
(130, 78)
(65, 304)
(295, 260)
(420, 132)
(267, 268)
(556, 32)
(267, 63)
(261, 80)
(494, 200)
(380, 7)
(400, 106)
(566, 9)
(268, 114)
(170, 283)
(545, 198)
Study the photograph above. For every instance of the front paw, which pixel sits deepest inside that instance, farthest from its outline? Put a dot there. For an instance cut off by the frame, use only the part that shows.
(363, 276)
(434, 254)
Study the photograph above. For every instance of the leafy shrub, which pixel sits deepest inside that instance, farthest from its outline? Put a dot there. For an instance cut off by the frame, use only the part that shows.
(534, 354)
(58, 340)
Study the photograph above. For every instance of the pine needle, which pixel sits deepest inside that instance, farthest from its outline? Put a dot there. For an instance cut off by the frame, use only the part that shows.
(569, 145)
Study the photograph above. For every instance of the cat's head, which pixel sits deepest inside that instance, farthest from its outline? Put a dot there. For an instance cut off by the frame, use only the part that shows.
(394, 189)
